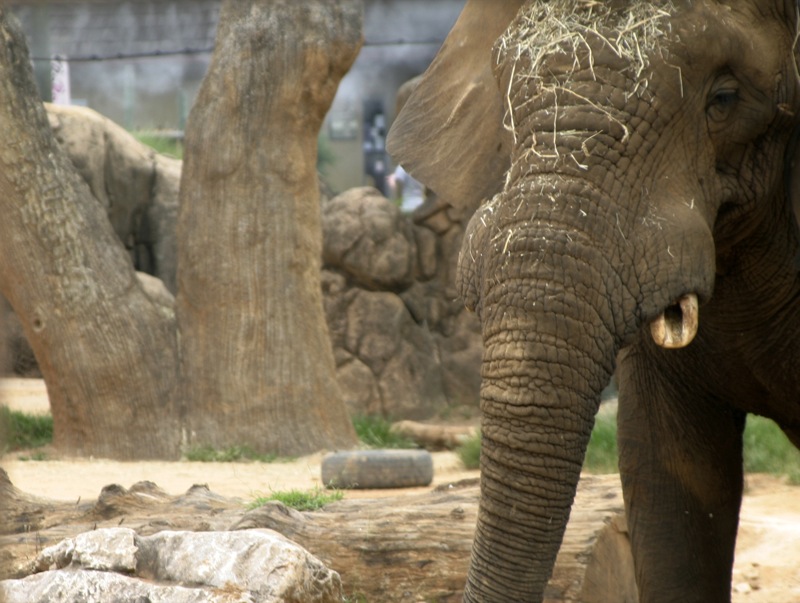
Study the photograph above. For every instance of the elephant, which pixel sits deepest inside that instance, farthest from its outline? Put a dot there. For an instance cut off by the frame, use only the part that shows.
(634, 163)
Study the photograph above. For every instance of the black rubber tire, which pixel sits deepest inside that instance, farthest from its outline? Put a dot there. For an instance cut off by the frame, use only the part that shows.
(374, 469)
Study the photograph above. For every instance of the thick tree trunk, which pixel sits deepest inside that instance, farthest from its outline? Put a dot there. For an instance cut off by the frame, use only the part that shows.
(256, 360)
(106, 350)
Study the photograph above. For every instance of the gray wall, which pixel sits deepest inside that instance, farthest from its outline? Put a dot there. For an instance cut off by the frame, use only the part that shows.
(148, 92)
(140, 91)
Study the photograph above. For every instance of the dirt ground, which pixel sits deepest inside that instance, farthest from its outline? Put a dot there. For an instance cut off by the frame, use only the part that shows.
(767, 568)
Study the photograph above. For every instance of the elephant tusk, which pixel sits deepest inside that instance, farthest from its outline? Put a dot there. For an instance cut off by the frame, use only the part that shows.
(677, 325)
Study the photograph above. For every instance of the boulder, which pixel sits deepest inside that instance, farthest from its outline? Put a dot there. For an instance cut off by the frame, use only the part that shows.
(387, 362)
(116, 564)
(461, 351)
(71, 586)
(376, 321)
(162, 219)
(137, 187)
(367, 238)
(157, 291)
(18, 355)
(389, 294)
(359, 386)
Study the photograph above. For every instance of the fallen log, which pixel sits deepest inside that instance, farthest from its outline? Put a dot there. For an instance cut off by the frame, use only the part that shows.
(435, 437)
(416, 547)
(406, 548)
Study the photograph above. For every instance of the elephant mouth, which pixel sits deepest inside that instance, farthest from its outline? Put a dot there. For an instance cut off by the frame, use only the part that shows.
(677, 325)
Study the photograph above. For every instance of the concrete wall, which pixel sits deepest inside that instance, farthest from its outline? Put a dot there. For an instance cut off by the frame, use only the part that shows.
(148, 92)
(139, 91)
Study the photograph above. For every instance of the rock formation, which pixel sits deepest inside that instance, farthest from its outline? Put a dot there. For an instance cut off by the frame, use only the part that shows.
(117, 564)
(404, 345)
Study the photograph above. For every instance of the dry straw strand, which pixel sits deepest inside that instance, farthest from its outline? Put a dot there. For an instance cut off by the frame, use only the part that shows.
(560, 27)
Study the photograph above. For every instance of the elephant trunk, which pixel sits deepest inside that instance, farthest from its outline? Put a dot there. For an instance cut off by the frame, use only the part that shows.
(559, 290)
(548, 354)
(529, 472)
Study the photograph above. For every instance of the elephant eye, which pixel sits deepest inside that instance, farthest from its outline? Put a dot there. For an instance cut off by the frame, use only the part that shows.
(722, 102)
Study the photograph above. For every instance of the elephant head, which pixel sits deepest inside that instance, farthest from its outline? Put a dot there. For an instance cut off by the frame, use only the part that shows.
(633, 163)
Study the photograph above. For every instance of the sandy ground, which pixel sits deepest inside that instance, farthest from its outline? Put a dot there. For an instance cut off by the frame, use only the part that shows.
(70, 479)
(767, 568)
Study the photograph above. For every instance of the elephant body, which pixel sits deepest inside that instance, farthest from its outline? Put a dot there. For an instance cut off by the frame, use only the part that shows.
(642, 167)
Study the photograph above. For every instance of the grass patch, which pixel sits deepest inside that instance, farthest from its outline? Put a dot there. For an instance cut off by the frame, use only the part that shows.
(22, 431)
(376, 432)
(207, 454)
(768, 450)
(601, 454)
(301, 500)
(38, 455)
(470, 452)
(165, 145)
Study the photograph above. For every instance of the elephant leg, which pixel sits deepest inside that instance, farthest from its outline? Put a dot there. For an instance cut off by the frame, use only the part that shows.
(681, 468)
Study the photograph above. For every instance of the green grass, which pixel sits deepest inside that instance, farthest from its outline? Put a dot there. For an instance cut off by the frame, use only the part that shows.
(375, 432)
(161, 144)
(37, 455)
(302, 500)
(470, 452)
(207, 454)
(23, 431)
(768, 450)
(601, 454)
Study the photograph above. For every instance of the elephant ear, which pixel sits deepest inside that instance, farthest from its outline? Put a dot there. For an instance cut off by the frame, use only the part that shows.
(449, 134)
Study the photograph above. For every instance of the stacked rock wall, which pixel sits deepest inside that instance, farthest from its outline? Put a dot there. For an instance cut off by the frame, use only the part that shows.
(404, 345)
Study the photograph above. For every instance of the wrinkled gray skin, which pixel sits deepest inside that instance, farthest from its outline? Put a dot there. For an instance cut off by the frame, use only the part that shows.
(635, 178)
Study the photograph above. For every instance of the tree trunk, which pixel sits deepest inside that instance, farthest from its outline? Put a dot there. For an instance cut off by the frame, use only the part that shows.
(105, 349)
(257, 367)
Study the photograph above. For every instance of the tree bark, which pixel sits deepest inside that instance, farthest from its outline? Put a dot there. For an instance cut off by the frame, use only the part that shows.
(412, 548)
(403, 548)
(105, 349)
(257, 367)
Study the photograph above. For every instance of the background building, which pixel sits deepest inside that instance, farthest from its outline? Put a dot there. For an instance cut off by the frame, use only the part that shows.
(141, 62)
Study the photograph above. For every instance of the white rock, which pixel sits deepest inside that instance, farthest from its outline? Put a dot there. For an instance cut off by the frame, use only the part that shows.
(260, 561)
(109, 549)
(114, 564)
(69, 586)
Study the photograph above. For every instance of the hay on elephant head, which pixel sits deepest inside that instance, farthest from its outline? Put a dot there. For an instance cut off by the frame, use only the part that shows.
(578, 28)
